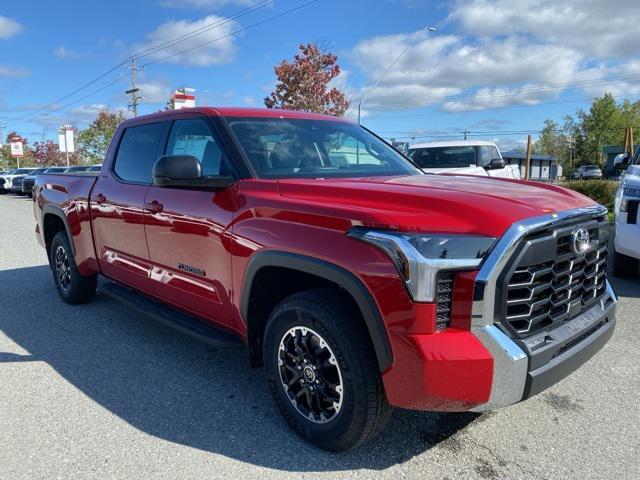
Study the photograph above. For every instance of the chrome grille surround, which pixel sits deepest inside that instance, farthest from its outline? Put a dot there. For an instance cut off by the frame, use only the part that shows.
(510, 362)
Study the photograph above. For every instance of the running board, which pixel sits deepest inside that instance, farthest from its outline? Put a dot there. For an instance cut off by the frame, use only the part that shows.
(182, 322)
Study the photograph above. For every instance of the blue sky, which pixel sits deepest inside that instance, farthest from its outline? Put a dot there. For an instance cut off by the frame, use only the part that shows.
(492, 67)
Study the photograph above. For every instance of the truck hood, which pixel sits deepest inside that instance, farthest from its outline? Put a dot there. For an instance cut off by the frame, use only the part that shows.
(432, 203)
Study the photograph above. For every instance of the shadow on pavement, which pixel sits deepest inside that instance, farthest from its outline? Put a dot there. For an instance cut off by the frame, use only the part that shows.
(175, 388)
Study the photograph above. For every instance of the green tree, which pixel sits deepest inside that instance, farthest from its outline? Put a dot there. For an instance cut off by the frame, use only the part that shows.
(93, 141)
(601, 126)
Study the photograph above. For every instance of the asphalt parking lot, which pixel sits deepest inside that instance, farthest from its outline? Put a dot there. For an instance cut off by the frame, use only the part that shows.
(98, 391)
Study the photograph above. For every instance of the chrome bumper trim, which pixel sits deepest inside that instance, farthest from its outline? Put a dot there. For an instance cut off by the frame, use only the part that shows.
(510, 363)
(510, 366)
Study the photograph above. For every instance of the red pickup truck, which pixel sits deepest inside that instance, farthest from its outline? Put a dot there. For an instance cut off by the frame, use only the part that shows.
(356, 280)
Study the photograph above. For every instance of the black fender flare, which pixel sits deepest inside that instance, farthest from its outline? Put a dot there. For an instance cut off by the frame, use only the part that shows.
(328, 271)
(58, 212)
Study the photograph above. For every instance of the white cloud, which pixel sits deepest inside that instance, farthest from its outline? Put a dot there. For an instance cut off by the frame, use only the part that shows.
(154, 92)
(506, 52)
(8, 28)
(9, 71)
(205, 4)
(602, 28)
(221, 48)
(79, 117)
(486, 98)
(65, 53)
(436, 67)
(249, 100)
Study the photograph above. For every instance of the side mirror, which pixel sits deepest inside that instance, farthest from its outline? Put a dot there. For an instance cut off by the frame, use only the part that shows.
(174, 170)
(495, 164)
(621, 162)
(185, 171)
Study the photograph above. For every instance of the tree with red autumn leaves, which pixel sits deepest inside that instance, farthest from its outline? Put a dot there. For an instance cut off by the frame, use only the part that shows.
(303, 84)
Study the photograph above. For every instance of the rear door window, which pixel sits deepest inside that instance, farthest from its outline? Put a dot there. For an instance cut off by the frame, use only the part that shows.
(138, 152)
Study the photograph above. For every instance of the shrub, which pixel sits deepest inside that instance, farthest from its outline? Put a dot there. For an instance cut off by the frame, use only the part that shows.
(601, 191)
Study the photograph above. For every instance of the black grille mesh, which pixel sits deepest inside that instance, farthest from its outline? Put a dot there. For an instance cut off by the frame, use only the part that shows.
(443, 301)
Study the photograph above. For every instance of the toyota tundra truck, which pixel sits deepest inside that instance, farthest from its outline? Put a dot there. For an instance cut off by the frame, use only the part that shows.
(357, 281)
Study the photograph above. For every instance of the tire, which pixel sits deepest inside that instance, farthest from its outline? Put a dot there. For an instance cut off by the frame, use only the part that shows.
(624, 266)
(72, 287)
(342, 353)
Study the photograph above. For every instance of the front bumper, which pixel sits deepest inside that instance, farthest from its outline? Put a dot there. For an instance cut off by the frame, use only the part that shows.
(484, 368)
(523, 368)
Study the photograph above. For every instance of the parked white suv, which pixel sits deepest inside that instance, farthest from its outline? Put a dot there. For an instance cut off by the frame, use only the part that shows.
(627, 237)
(469, 157)
(585, 172)
(18, 172)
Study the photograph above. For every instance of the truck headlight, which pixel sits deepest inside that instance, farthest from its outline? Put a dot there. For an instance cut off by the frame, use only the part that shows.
(624, 195)
(420, 256)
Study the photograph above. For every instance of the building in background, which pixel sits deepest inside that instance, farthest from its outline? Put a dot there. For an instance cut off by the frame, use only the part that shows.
(183, 98)
(543, 167)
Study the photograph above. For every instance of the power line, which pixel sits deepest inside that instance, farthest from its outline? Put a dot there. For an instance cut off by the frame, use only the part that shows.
(203, 29)
(291, 10)
(526, 105)
(456, 134)
(148, 51)
(34, 113)
(64, 107)
(543, 88)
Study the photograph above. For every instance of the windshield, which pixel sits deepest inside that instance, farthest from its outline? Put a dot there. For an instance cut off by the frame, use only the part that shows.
(55, 170)
(76, 169)
(22, 171)
(290, 148)
(444, 157)
(592, 167)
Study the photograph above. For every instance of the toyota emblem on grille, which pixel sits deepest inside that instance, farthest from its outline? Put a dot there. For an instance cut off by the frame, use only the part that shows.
(580, 241)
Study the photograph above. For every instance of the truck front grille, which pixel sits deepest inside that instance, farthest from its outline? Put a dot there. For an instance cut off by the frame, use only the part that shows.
(17, 182)
(443, 302)
(549, 283)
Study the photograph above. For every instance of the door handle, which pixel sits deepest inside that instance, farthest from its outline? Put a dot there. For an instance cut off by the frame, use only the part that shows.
(153, 206)
(100, 199)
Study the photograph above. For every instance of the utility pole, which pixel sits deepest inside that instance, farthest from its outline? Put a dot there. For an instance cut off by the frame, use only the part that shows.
(466, 132)
(527, 164)
(133, 91)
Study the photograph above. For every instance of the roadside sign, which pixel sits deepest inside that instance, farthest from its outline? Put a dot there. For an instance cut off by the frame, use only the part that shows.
(65, 139)
(16, 147)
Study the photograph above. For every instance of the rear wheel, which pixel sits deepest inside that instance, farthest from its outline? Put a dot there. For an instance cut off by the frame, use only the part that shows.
(322, 370)
(72, 287)
(624, 265)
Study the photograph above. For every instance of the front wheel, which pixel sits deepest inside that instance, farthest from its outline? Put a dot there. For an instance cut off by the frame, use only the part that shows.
(322, 370)
(72, 287)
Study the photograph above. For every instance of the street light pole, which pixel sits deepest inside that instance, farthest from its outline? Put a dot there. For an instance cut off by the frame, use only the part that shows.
(368, 92)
